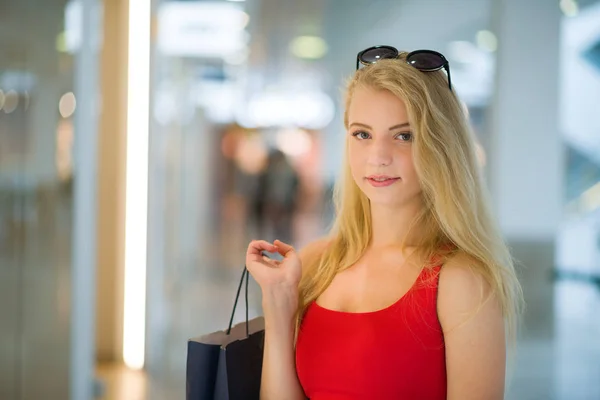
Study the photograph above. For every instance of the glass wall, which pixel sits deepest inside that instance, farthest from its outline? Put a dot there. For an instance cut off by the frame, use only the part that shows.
(41, 98)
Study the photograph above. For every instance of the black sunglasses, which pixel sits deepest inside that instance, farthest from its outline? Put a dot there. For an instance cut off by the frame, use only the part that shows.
(423, 60)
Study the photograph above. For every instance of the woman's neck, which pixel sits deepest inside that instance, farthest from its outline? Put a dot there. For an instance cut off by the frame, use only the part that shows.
(392, 225)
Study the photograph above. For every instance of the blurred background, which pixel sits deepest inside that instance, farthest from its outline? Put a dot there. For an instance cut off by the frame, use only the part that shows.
(144, 143)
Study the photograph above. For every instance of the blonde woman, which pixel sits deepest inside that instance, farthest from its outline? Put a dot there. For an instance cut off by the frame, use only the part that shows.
(413, 294)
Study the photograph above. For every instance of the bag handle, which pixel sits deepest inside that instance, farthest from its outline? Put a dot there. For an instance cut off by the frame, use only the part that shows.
(246, 275)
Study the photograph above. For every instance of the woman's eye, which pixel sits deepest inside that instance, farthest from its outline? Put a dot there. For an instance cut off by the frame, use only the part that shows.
(405, 137)
(361, 135)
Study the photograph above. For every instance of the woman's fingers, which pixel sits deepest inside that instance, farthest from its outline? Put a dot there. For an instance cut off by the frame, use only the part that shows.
(270, 262)
(256, 247)
(283, 248)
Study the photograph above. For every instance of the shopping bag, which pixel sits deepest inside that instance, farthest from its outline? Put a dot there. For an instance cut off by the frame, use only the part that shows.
(227, 365)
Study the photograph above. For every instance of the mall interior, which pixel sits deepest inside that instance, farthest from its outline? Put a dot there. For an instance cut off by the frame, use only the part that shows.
(144, 143)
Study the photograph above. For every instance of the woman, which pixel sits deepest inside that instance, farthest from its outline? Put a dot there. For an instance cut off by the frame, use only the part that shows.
(413, 295)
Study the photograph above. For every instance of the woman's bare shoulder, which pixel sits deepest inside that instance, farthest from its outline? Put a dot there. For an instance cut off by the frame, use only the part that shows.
(463, 273)
(463, 289)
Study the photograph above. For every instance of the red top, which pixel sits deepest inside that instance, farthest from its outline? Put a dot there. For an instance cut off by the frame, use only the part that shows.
(394, 353)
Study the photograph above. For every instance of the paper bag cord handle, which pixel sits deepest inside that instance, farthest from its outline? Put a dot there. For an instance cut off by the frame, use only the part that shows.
(245, 275)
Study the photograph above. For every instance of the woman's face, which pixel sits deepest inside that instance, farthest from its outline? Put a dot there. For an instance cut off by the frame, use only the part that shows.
(380, 148)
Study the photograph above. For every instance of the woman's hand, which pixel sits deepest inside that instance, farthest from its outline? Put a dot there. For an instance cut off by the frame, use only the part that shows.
(273, 274)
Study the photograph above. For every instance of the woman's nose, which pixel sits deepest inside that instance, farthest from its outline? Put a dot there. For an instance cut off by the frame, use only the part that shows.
(380, 153)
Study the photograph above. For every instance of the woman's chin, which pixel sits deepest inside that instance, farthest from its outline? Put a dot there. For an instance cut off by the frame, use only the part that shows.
(393, 200)
(385, 201)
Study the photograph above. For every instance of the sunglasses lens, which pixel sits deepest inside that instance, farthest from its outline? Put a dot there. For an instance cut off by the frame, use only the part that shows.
(426, 61)
(373, 55)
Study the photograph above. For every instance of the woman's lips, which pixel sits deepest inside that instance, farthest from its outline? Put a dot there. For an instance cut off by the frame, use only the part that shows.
(381, 180)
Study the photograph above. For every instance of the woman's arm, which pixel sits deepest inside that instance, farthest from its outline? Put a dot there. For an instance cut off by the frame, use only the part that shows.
(474, 335)
(279, 376)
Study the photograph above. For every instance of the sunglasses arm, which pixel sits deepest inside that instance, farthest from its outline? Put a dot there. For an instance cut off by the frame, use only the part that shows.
(447, 68)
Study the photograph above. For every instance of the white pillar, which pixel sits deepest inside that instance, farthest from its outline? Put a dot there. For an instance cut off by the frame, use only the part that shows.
(525, 169)
(83, 278)
(526, 151)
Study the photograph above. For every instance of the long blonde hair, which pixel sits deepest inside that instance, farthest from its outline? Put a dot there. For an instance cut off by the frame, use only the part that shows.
(455, 218)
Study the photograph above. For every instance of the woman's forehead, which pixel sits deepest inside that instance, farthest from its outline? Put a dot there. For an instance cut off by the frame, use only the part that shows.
(375, 104)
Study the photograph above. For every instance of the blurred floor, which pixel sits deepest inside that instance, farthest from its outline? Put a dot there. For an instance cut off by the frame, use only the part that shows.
(566, 367)
(119, 382)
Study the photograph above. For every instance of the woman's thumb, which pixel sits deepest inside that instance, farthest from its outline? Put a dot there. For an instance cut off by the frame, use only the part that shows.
(283, 248)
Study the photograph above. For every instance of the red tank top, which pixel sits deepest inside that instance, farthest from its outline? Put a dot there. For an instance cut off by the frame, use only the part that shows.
(394, 353)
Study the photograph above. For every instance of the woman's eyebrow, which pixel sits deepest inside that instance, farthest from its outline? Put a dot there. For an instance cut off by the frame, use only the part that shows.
(402, 125)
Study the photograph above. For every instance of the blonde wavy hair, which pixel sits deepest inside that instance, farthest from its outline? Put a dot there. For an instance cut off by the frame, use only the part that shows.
(456, 217)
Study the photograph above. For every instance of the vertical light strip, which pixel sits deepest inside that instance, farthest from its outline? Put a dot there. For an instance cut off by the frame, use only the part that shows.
(136, 184)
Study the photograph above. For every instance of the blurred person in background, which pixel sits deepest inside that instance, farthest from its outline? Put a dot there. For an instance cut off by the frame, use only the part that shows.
(276, 197)
(413, 294)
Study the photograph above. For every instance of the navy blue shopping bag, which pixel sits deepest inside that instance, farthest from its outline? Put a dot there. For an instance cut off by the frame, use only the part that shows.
(227, 365)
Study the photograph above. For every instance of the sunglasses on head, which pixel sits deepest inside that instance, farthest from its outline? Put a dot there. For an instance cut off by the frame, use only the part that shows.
(423, 60)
